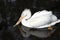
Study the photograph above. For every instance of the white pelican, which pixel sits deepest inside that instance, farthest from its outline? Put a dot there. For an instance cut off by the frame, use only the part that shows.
(40, 19)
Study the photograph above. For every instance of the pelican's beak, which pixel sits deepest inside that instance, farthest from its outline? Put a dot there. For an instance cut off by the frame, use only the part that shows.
(20, 19)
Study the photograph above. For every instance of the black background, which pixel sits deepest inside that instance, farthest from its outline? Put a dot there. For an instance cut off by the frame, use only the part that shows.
(10, 11)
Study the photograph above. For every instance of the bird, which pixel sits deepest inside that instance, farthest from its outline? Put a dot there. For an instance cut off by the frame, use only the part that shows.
(40, 19)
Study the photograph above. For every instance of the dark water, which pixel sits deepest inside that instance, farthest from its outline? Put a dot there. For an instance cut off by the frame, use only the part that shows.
(10, 10)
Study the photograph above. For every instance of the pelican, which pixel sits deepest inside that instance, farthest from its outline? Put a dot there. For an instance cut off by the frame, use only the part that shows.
(40, 19)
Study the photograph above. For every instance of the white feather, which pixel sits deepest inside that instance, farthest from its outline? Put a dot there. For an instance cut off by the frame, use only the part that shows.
(40, 19)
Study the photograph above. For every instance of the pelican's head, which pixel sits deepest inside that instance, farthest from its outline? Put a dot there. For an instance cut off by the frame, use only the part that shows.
(26, 14)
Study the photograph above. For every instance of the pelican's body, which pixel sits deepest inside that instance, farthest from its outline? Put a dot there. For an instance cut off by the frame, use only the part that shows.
(40, 19)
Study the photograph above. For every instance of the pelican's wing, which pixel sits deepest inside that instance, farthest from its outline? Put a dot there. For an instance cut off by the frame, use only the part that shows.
(48, 25)
(53, 23)
(41, 13)
(39, 21)
(35, 15)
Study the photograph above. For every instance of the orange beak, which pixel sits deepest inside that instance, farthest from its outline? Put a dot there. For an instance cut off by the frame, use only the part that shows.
(20, 19)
